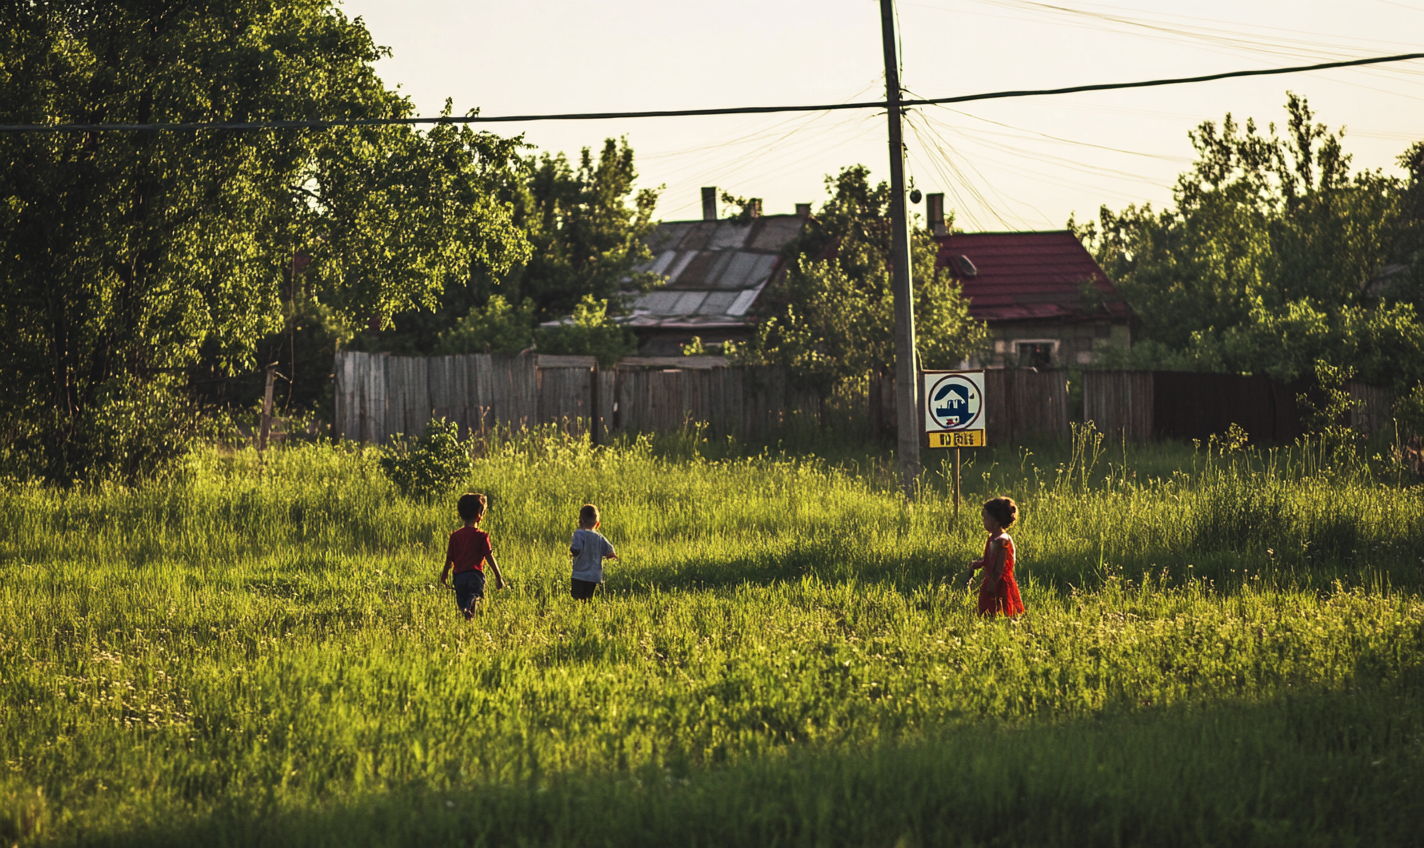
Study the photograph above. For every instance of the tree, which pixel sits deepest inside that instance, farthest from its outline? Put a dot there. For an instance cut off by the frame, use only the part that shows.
(833, 316)
(586, 228)
(129, 254)
(1269, 260)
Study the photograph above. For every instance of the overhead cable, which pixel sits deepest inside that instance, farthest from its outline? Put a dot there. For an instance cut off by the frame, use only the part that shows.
(683, 113)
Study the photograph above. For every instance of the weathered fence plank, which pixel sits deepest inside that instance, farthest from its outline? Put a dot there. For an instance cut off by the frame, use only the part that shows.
(1375, 412)
(1024, 404)
(1119, 403)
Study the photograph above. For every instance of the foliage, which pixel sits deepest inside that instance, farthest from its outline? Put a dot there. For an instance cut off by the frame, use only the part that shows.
(1271, 259)
(746, 208)
(835, 319)
(431, 465)
(590, 332)
(586, 226)
(258, 651)
(497, 328)
(1409, 411)
(1324, 411)
(127, 255)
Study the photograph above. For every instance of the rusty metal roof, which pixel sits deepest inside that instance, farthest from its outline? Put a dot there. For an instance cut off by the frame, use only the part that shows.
(1030, 277)
(714, 270)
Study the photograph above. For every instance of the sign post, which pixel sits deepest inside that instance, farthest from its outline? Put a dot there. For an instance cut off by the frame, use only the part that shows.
(954, 414)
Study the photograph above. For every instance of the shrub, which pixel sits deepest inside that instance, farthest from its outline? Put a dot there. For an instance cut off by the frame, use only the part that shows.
(590, 333)
(498, 328)
(430, 465)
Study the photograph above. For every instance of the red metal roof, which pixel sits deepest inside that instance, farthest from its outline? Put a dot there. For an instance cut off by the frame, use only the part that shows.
(1030, 277)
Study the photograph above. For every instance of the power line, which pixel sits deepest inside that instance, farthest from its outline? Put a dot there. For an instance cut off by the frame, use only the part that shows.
(685, 113)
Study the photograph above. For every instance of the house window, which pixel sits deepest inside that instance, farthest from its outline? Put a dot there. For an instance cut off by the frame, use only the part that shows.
(1036, 353)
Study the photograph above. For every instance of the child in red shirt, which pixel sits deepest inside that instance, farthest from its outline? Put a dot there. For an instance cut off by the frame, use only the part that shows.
(466, 553)
(999, 593)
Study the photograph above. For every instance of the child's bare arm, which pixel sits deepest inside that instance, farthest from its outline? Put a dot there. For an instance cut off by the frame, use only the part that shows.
(994, 565)
(494, 566)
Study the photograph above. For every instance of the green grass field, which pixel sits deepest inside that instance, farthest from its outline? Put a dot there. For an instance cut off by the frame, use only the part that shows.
(1219, 650)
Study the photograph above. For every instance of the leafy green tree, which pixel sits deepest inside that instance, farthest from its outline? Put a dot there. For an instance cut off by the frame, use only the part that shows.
(1269, 260)
(833, 317)
(127, 255)
(587, 227)
(590, 332)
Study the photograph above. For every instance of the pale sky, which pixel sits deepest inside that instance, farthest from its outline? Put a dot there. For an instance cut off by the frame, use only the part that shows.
(1015, 164)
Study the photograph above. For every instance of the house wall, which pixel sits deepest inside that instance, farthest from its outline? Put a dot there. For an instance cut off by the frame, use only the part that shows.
(1073, 344)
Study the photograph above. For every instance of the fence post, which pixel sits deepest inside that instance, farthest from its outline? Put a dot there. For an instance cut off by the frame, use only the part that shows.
(266, 409)
(595, 419)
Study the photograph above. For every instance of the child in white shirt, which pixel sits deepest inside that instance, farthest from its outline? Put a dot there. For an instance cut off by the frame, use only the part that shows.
(589, 550)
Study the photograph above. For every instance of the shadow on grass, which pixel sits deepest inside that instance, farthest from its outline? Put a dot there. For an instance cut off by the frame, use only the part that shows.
(1057, 573)
(1320, 767)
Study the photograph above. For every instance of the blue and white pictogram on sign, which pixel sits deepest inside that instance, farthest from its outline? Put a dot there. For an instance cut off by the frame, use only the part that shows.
(954, 403)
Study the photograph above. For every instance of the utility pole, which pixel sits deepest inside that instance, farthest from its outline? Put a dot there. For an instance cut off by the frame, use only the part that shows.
(907, 404)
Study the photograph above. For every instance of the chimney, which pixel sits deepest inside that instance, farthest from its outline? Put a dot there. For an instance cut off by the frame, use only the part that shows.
(803, 210)
(754, 207)
(709, 203)
(934, 210)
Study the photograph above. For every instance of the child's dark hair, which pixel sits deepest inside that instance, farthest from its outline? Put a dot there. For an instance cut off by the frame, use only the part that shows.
(471, 506)
(588, 514)
(1002, 510)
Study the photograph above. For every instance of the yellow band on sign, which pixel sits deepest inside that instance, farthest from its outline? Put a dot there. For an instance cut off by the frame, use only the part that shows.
(957, 439)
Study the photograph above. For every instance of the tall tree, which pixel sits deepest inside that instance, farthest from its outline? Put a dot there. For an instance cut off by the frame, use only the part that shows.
(1270, 260)
(585, 225)
(833, 316)
(127, 253)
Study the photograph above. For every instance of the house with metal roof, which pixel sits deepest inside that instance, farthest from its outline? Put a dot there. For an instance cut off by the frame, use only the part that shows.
(1046, 301)
(715, 271)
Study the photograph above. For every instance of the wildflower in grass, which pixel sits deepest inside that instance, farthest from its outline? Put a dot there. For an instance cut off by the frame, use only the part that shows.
(466, 554)
(589, 549)
(999, 592)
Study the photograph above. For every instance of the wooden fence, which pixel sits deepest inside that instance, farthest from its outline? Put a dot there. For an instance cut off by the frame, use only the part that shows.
(1145, 405)
(378, 395)
(1025, 405)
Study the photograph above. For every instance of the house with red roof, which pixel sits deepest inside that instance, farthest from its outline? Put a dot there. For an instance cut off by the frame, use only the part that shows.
(1046, 301)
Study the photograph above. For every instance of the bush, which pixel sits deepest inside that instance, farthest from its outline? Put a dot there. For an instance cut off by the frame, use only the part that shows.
(1409, 412)
(498, 328)
(591, 333)
(433, 464)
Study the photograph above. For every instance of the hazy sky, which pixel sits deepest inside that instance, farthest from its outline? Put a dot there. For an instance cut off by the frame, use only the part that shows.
(1016, 164)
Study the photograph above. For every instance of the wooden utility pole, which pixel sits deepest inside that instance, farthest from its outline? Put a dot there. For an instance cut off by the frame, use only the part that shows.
(907, 403)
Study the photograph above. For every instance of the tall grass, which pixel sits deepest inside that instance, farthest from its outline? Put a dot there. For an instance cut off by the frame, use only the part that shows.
(1223, 646)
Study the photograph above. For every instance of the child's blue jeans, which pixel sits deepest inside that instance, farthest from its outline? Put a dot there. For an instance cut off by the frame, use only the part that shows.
(469, 588)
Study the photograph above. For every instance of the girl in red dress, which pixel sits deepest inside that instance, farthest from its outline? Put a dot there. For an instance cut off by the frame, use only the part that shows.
(999, 593)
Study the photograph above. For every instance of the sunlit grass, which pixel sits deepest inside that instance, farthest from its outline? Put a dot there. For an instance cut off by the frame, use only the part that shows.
(257, 650)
